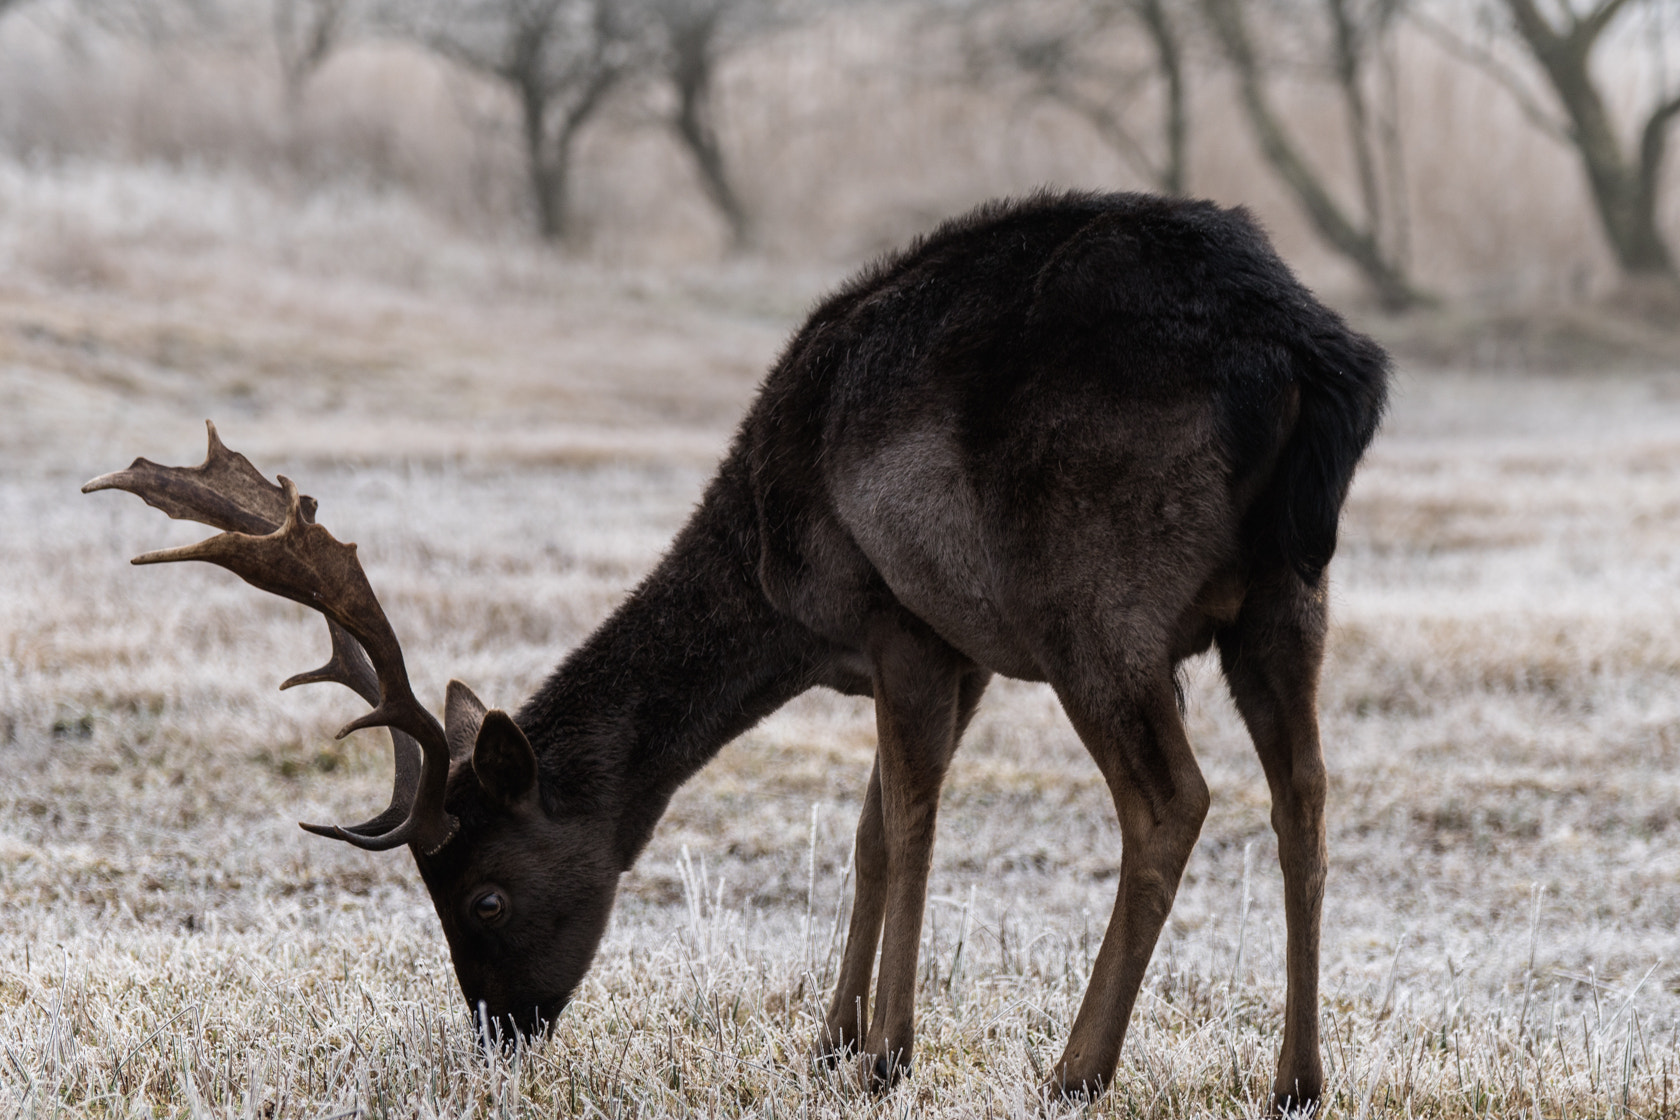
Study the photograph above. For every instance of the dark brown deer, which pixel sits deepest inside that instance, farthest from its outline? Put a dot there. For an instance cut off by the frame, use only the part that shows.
(1072, 439)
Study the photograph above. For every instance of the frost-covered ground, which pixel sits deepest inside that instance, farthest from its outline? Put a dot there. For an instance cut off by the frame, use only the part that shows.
(511, 439)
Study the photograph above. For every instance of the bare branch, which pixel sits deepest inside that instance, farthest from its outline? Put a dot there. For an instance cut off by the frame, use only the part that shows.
(1591, 25)
(1169, 57)
(1492, 67)
(1109, 124)
(1535, 27)
(1358, 244)
(1066, 53)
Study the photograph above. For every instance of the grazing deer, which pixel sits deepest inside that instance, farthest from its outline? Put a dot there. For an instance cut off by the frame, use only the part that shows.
(1074, 439)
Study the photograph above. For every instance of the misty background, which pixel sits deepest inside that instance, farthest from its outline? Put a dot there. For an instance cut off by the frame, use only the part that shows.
(1405, 154)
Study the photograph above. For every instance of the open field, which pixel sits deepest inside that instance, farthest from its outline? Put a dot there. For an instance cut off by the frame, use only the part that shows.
(512, 439)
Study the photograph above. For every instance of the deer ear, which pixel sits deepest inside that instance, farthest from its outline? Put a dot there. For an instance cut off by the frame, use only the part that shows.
(463, 712)
(503, 760)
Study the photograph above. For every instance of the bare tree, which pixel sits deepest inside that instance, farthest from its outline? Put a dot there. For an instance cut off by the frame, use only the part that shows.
(691, 38)
(1625, 183)
(559, 58)
(1169, 61)
(306, 32)
(1073, 54)
(1356, 31)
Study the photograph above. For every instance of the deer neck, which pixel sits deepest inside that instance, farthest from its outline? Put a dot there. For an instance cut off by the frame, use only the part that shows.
(694, 657)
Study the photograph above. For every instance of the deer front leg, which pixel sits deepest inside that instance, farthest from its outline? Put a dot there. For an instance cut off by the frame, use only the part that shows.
(1156, 844)
(1271, 658)
(848, 1012)
(919, 702)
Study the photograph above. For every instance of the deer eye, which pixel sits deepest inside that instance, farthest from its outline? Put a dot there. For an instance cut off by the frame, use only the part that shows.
(490, 907)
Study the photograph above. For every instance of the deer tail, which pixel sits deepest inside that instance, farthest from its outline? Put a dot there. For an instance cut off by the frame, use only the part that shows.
(1342, 381)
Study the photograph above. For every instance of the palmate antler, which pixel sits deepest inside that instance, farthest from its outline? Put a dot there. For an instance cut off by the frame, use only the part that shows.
(269, 539)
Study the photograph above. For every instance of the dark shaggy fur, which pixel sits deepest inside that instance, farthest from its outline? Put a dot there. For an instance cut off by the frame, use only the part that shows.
(1074, 438)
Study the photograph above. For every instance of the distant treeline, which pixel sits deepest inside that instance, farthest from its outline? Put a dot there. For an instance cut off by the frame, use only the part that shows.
(1504, 148)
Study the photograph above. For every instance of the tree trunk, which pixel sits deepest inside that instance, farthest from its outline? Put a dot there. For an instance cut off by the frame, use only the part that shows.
(1386, 278)
(547, 172)
(691, 73)
(1624, 192)
(1349, 51)
(1169, 58)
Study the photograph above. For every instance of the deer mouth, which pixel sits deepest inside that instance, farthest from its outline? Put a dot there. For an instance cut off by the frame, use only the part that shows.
(527, 1022)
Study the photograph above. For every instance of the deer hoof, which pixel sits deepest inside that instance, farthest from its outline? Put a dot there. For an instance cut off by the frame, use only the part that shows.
(881, 1072)
(1067, 1083)
(1299, 1102)
(831, 1047)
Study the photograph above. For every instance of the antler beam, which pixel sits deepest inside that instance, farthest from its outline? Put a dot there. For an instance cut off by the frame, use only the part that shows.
(269, 539)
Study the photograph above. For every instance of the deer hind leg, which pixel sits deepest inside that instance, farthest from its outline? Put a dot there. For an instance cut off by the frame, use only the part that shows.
(1158, 828)
(1271, 658)
(847, 1019)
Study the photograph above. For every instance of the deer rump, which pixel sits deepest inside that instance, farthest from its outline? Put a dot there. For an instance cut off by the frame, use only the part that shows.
(1078, 411)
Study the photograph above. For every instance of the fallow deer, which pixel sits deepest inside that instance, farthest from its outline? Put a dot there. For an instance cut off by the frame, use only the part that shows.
(1074, 438)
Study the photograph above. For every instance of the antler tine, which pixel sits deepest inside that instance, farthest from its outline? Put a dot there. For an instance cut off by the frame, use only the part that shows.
(271, 541)
(347, 666)
(225, 491)
(350, 667)
(303, 562)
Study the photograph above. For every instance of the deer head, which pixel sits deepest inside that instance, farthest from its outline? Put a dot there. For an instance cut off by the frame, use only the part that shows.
(523, 893)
